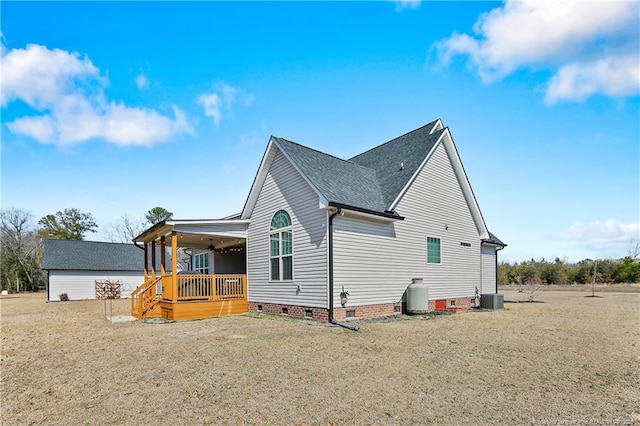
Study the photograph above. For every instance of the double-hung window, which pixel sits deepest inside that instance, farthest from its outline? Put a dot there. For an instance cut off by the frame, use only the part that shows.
(433, 250)
(201, 263)
(281, 247)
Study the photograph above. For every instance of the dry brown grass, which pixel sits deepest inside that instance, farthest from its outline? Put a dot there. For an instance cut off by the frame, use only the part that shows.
(572, 359)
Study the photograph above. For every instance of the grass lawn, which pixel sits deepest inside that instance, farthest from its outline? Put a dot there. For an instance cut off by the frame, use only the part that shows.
(570, 360)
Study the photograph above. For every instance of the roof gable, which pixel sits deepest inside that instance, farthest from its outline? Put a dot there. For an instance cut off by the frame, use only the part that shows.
(337, 180)
(91, 256)
(373, 181)
(463, 180)
(397, 161)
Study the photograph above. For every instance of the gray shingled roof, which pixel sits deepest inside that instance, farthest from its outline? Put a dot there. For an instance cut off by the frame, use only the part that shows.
(371, 180)
(408, 150)
(495, 240)
(91, 256)
(337, 180)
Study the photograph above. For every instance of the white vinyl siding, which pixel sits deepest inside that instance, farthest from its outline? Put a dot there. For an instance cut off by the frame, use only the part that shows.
(285, 189)
(375, 261)
(488, 270)
(80, 285)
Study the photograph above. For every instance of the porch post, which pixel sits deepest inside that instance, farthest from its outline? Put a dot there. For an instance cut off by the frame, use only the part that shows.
(174, 264)
(163, 257)
(146, 261)
(153, 259)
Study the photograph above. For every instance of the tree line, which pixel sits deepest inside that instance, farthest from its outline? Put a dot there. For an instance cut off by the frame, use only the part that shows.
(558, 271)
(22, 240)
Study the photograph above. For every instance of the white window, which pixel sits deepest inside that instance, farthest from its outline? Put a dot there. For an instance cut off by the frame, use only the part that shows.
(281, 247)
(201, 263)
(433, 250)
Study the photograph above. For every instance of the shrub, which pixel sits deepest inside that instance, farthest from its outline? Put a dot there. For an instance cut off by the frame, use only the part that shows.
(64, 297)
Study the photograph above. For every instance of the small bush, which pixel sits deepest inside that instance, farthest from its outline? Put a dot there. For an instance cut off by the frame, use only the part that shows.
(64, 297)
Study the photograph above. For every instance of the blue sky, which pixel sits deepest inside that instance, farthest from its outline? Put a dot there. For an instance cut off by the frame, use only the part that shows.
(114, 108)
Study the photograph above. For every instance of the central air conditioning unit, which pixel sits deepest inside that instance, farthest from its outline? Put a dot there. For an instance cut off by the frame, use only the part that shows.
(494, 301)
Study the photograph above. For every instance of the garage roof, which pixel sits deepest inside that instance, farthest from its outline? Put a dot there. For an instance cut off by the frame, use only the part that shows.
(92, 256)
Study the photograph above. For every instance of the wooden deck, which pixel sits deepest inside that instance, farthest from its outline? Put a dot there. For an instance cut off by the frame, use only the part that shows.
(202, 309)
(190, 296)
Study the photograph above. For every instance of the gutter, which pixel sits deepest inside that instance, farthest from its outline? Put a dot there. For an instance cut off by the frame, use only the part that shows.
(153, 228)
(331, 319)
(386, 214)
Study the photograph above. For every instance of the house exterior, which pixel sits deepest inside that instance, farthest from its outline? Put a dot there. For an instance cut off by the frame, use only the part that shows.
(73, 267)
(330, 239)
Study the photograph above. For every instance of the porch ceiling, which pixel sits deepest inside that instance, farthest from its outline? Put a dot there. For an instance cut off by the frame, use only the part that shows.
(199, 233)
(202, 241)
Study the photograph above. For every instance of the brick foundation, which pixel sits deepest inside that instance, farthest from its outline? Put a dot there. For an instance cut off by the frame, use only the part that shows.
(454, 305)
(318, 314)
(367, 311)
(347, 313)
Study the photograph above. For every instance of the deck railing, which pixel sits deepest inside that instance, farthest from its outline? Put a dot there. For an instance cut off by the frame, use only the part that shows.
(145, 297)
(189, 287)
(210, 287)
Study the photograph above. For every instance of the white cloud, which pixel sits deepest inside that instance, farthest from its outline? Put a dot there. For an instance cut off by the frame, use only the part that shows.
(407, 4)
(582, 42)
(212, 105)
(134, 126)
(609, 237)
(221, 98)
(142, 82)
(615, 77)
(39, 128)
(68, 91)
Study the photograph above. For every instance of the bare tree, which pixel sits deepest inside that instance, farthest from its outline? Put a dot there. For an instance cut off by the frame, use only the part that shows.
(126, 229)
(21, 250)
(634, 248)
(595, 274)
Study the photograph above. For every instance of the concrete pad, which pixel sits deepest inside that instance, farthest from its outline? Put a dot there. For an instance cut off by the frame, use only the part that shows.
(121, 318)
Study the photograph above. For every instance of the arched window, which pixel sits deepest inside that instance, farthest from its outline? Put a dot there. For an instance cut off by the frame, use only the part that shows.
(281, 247)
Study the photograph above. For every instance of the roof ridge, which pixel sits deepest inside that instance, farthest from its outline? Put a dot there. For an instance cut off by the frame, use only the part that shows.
(88, 241)
(326, 154)
(398, 137)
(312, 149)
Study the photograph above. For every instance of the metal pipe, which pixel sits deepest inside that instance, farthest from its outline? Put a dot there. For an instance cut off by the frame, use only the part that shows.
(337, 212)
(331, 319)
(497, 250)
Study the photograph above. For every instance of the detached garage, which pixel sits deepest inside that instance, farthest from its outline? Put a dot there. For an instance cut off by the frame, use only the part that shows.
(73, 267)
